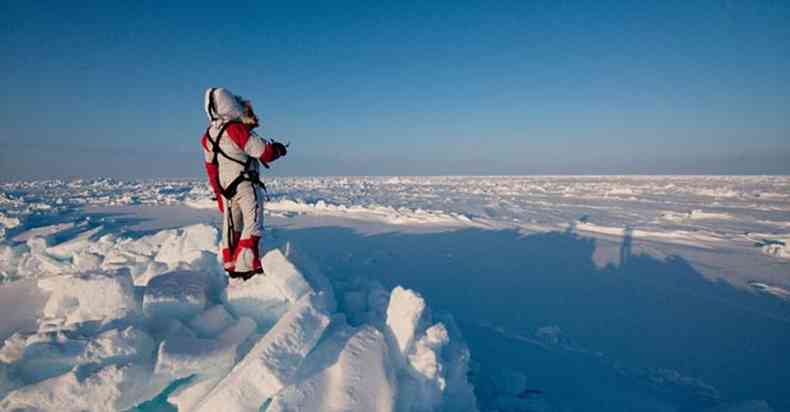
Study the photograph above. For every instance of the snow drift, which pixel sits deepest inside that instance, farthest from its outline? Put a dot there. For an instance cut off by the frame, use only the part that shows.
(125, 321)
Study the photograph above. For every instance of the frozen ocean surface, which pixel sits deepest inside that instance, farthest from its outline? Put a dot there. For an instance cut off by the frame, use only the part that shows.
(439, 293)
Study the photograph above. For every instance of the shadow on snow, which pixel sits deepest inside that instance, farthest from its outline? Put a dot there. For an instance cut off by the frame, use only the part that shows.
(646, 330)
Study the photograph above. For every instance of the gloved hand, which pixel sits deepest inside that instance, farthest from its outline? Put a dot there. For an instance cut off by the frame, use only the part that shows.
(279, 149)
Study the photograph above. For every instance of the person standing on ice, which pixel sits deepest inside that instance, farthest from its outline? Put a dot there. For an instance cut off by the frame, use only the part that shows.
(232, 154)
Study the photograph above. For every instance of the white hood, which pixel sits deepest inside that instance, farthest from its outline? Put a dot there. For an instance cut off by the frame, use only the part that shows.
(227, 106)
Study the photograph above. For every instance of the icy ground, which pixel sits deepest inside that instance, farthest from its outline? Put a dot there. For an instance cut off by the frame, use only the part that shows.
(731, 227)
(573, 293)
(112, 322)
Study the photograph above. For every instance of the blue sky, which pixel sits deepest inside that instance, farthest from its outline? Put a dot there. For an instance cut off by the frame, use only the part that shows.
(401, 88)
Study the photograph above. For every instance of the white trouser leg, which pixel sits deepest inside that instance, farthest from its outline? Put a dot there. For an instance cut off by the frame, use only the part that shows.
(231, 233)
(250, 210)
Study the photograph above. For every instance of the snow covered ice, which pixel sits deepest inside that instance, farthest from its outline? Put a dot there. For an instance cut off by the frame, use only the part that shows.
(180, 295)
(74, 299)
(124, 318)
(229, 361)
(266, 299)
(114, 299)
(184, 356)
(359, 379)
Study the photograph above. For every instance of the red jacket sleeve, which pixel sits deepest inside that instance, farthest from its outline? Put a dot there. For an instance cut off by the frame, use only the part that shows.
(250, 143)
(268, 155)
(212, 170)
(213, 178)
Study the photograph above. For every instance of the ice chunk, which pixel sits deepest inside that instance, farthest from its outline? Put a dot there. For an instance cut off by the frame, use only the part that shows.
(21, 304)
(238, 333)
(89, 297)
(13, 348)
(188, 395)
(192, 247)
(42, 260)
(45, 232)
(266, 298)
(151, 271)
(360, 379)
(8, 222)
(285, 276)
(85, 261)
(168, 328)
(119, 258)
(435, 370)
(211, 322)
(66, 393)
(187, 244)
(257, 298)
(424, 359)
(182, 356)
(78, 243)
(404, 315)
(777, 291)
(206, 378)
(42, 355)
(9, 259)
(111, 388)
(273, 361)
(425, 389)
(203, 202)
(777, 248)
(118, 346)
(179, 294)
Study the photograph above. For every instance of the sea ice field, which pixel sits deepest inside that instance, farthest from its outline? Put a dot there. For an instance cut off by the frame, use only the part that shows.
(495, 293)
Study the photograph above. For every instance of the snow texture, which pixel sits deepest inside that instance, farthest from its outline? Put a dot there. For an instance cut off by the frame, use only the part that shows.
(113, 316)
(111, 388)
(273, 361)
(267, 298)
(95, 250)
(432, 375)
(179, 295)
(711, 212)
(404, 314)
(75, 299)
(183, 356)
(211, 322)
(359, 378)
(102, 343)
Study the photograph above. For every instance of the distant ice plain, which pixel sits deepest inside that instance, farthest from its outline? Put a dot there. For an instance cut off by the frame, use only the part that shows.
(725, 228)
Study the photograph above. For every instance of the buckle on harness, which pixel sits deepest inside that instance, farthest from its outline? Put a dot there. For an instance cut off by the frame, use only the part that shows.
(251, 176)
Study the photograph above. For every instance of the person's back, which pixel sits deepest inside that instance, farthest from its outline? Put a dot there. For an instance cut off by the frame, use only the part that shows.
(232, 153)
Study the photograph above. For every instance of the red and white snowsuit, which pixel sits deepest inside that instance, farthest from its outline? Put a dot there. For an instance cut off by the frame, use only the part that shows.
(243, 212)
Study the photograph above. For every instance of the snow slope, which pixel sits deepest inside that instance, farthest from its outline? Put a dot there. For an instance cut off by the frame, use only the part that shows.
(126, 320)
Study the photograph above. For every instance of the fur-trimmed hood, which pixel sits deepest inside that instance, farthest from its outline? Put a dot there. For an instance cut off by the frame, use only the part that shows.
(226, 106)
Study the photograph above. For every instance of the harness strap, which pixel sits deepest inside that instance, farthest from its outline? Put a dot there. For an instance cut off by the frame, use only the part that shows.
(246, 175)
(217, 150)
